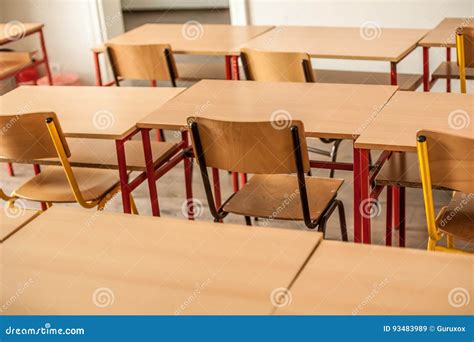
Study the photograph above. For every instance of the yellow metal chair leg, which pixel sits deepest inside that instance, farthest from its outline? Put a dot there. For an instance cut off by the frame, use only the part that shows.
(450, 241)
(133, 205)
(461, 60)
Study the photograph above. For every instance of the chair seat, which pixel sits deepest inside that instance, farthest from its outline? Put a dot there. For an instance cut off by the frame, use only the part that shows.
(277, 196)
(458, 217)
(101, 153)
(451, 70)
(405, 81)
(13, 219)
(51, 185)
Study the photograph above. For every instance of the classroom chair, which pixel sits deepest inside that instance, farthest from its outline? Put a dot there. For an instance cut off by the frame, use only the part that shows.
(39, 136)
(273, 155)
(465, 52)
(447, 161)
(284, 67)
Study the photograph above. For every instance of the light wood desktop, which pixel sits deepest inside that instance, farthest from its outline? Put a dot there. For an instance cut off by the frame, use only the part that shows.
(11, 220)
(17, 30)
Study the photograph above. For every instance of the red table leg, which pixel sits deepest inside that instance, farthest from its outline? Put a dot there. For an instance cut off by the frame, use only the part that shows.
(388, 233)
(153, 83)
(217, 187)
(122, 168)
(188, 178)
(37, 170)
(448, 79)
(235, 67)
(235, 181)
(357, 198)
(11, 173)
(393, 73)
(366, 201)
(228, 68)
(150, 172)
(98, 76)
(426, 69)
(401, 219)
(45, 57)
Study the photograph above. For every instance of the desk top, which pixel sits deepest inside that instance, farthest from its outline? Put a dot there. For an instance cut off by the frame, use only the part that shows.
(327, 110)
(15, 30)
(193, 37)
(77, 261)
(443, 35)
(89, 112)
(395, 127)
(11, 220)
(355, 279)
(368, 42)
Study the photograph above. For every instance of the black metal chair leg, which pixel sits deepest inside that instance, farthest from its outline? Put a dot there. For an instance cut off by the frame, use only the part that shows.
(342, 220)
(248, 221)
(334, 151)
(162, 134)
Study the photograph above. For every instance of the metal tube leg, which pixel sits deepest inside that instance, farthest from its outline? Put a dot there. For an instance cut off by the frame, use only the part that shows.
(217, 187)
(235, 181)
(426, 69)
(248, 221)
(45, 57)
(228, 68)
(37, 170)
(98, 76)
(393, 73)
(188, 178)
(448, 78)
(365, 194)
(401, 220)
(396, 207)
(11, 172)
(388, 233)
(334, 156)
(357, 198)
(122, 168)
(342, 220)
(243, 178)
(235, 67)
(150, 172)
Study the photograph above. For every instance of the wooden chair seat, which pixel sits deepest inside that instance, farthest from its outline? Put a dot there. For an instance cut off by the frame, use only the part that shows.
(9, 224)
(101, 153)
(51, 185)
(277, 196)
(457, 219)
(195, 71)
(11, 62)
(451, 70)
(408, 82)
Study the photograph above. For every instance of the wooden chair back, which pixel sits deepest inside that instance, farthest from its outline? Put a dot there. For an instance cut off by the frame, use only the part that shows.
(26, 136)
(277, 66)
(250, 147)
(451, 160)
(142, 62)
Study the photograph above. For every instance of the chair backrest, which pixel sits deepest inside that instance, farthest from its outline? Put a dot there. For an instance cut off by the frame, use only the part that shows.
(467, 34)
(451, 160)
(26, 136)
(250, 147)
(277, 66)
(142, 62)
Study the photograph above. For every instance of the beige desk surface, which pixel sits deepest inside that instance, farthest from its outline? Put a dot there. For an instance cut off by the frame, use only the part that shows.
(148, 265)
(12, 220)
(348, 279)
(395, 127)
(89, 112)
(207, 39)
(16, 30)
(443, 35)
(327, 110)
(383, 44)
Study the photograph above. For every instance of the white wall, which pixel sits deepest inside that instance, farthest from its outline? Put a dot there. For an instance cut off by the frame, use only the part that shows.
(387, 13)
(72, 28)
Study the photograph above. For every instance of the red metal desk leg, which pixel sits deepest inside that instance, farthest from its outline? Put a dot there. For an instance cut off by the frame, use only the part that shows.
(426, 69)
(235, 67)
(228, 68)
(217, 187)
(401, 220)
(122, 168)
(393, 73)
(365, 199)
(235, 181)
(357, 199)
(37, 170)
(150, 172)
(388, 233)
(188, 177)
(45, 57)
(448, 78)
(98, 76)
(11, 173)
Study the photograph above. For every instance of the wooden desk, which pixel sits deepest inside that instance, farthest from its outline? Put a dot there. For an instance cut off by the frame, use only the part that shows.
(395, 127)
(192, 38)
(362, 43)
(93, 112)
(13, 62)
(444, 36)
(339, 111)
(71, 260)
(351, 279)
(11, 220)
